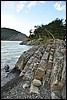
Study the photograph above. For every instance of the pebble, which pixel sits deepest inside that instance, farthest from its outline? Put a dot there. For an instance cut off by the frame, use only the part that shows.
(25, 85)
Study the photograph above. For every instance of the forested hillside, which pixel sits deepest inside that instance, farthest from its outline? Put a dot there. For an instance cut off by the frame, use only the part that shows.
(10, 34)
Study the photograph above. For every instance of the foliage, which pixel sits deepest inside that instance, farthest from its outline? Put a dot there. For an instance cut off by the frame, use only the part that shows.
(57, 28)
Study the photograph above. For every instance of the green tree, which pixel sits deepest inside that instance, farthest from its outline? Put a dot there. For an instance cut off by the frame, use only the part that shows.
(56, 29)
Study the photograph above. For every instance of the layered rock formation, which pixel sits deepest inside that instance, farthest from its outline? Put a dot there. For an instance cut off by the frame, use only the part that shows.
(43, 69)
(47, 66)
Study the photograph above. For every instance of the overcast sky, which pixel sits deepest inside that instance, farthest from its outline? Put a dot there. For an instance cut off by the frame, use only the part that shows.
(24, 15)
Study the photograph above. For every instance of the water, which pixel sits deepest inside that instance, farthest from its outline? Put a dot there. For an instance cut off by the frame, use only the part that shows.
(10, 52)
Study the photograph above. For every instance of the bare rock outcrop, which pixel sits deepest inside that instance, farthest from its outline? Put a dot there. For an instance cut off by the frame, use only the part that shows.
(24, 58)
(47, 66)
(58, 75)
(44, 68)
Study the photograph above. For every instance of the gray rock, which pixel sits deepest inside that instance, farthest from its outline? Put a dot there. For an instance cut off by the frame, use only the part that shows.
(58, 74)
(63, 92)
(46, 82)
(36, 82)
(45, 56)
(54, 96)
(6, 67)
(51, 57)
(34, 89)
(43, 64)
(25, 85)
(24, 58)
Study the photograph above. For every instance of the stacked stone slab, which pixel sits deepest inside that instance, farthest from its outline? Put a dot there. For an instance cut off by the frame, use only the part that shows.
(51, 56)
(41, 70)
(45, 65)
(25, 57)
(46, 79)
(32, 64)
(31, 67)
(58, 75)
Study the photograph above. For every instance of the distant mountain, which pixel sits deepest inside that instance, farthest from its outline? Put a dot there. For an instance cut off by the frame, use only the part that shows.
(12, 35)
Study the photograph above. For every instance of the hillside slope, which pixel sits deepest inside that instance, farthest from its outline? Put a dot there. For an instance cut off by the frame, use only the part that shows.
(13, 35)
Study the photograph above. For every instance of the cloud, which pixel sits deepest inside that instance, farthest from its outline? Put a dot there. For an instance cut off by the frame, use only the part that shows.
(27, 11)
(42, 2)
(7, 3)
(20, 6)
(31, 4)
(58, 6)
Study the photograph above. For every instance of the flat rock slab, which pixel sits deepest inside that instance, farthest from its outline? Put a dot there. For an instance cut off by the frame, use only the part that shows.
(36, 82)
(33, 89)
(54, 96)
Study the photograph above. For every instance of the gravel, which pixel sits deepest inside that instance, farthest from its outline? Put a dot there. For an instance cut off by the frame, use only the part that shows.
(18, 92)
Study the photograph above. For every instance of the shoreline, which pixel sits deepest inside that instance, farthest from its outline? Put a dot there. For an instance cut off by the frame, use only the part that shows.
(10, 53)
(31, 66)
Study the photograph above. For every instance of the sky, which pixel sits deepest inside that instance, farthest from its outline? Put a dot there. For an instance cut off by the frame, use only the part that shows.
(24, 15)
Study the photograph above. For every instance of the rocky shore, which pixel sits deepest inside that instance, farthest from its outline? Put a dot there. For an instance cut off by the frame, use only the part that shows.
(42, 73)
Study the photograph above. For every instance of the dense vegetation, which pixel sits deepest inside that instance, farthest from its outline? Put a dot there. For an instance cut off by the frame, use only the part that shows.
(56, 28)
(10, 34)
